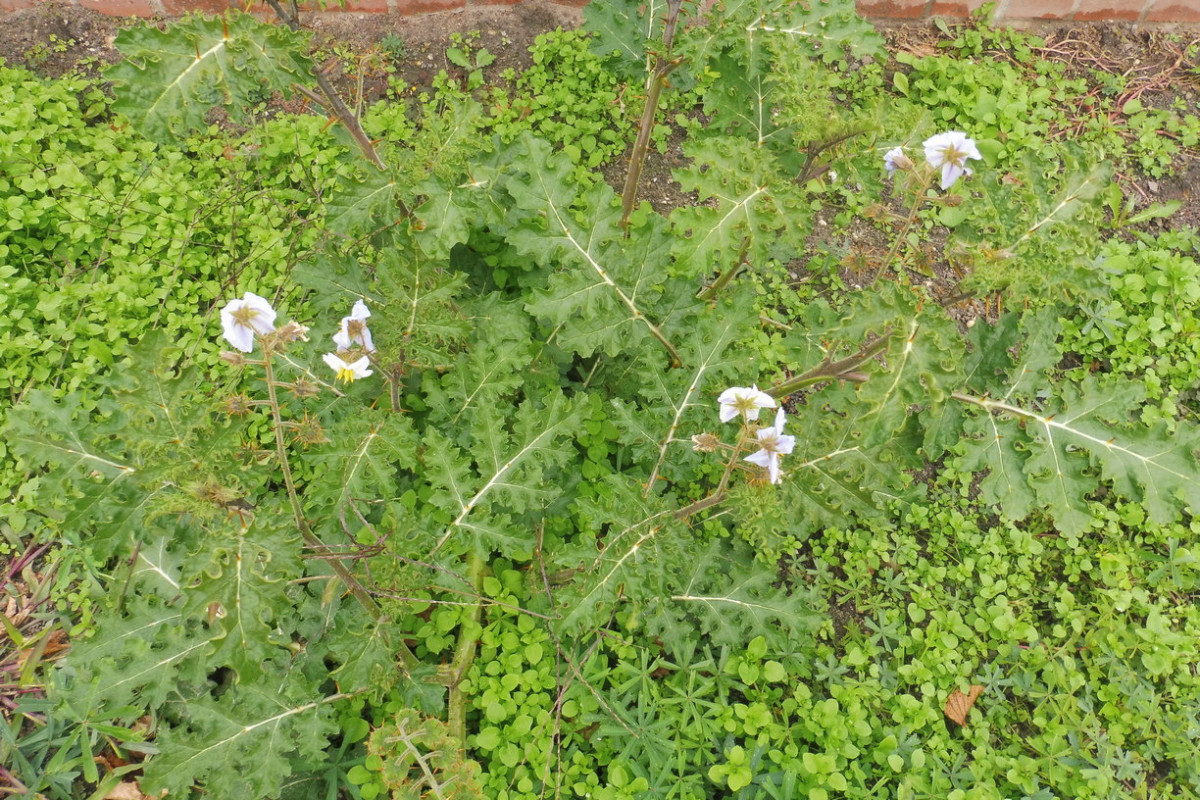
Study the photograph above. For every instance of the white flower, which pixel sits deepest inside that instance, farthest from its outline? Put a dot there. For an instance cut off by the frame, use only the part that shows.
(949, 152)
(895, 159)
(354, 329)
(351, 372)
(744, 400)
(241, 319)
(774, 443)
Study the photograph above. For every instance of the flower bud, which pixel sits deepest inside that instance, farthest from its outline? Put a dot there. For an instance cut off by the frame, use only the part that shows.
(292, 332)
(230, 357)
(308, 431)
(303, 388)
(237, 405)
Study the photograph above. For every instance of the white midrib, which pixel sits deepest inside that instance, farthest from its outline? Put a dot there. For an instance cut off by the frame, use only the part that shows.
(173, 84)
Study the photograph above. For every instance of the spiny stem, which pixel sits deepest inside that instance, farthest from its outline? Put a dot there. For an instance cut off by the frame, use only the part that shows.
(713, 499)
(663, 67)
(918, 199)
(642, 143)
(844, 369)
(737, 451)
(333, 102)
(464, 654)
(710, 293)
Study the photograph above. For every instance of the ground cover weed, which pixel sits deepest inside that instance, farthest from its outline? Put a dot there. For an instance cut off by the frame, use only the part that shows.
(488, 489)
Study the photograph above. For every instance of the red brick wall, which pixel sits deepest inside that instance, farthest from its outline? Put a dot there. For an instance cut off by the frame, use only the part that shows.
(1186, 11)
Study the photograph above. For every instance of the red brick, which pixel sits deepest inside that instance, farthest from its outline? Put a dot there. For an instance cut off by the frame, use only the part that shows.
(365, 6)
(16, 5)
(124, 8)
(407, 7)
(893, 9)
(1039, 9)
(494, 2)
(1174, 11)
(955, 8)
(1110, 10)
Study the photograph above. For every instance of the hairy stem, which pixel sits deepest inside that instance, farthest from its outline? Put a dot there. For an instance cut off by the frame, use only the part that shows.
(845, 369)
(664, 65)
(464, 654)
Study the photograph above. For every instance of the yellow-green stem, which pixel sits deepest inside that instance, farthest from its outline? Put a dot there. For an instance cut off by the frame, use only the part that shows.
(464, 653)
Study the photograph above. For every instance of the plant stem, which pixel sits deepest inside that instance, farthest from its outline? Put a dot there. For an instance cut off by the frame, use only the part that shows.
(844, 370)
(464, 654)
(713, 499)
(663, 67)
(334, 103)
(407, 658)
(710, 293)
(919, 198)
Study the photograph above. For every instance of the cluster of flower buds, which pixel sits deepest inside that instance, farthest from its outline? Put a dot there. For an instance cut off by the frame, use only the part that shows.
(947, 152)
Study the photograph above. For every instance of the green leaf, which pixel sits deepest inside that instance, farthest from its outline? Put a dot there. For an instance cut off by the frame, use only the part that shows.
(605, 287)
(741, 103)
(480, 378)
(622, 545)
(727, 595)
(361, 460)
(1089, 425)
(150, 443)
(363, 205)
(752, 212)
(623, 29)
(923, 359)
(238, 584)
(170, 79)
(825, 27)
(420, 759)
(514, 453)
(363, 651)
(675, 404)
(1050, 448)
(239, 744)
(452, 209)
(137, 658)
(422, 311)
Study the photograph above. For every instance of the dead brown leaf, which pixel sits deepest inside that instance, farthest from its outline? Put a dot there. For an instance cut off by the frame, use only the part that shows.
(125, 790)
(958, 705)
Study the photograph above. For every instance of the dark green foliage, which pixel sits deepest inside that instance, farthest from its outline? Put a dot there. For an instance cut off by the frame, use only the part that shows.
(525, 557)
(171, 79)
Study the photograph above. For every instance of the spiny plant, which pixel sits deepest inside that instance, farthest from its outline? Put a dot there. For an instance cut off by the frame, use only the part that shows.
(275, 548)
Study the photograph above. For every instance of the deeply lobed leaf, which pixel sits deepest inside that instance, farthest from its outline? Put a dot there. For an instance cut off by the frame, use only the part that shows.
(172, 78)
